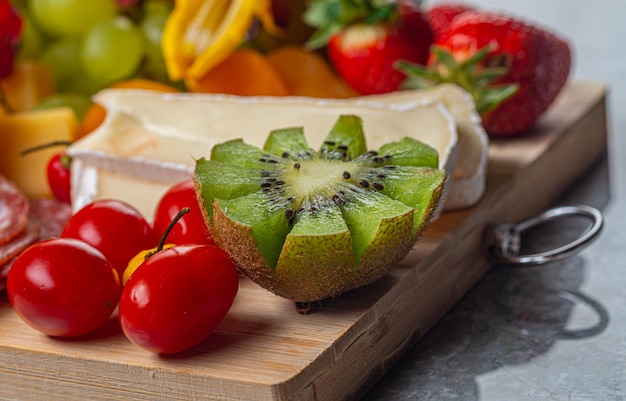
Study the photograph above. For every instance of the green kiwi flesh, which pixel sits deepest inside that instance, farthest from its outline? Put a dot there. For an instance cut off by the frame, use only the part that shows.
(308, 225)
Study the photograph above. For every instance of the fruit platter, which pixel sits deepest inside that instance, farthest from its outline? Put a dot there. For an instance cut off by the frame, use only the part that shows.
(262, 200)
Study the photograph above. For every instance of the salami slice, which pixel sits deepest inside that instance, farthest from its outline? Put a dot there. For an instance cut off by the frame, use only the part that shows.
(23, 240)
(14, 208)
(4, 270)
(50, 215)
(4, 273)
(10, 250)
(46, 219)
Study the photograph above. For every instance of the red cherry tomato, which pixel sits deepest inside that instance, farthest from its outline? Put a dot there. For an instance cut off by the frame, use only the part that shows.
(58, 169)
(190, 229)
(59, 176)
(177, 297)
(63, 287)
(114, 227)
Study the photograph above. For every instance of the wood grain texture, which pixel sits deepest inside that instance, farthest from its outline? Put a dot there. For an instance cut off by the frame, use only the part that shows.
(264, 350)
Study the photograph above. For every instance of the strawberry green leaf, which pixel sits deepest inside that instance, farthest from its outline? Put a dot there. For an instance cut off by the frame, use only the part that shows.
(472, 74)
(421, 77)
(493, 96)
(320, 37)
(484, 77)
(470, 64)
(316, 14)
(330, 17)
(383, 13)
(445, 58)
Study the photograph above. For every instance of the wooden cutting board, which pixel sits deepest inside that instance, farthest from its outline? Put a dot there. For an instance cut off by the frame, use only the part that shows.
(264, 350)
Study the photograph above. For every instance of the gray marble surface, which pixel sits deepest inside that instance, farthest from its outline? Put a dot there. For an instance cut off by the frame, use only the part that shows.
(552, 332)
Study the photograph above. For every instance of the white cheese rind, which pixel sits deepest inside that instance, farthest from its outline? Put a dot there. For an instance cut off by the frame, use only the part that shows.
(150, 141)
(470, 175)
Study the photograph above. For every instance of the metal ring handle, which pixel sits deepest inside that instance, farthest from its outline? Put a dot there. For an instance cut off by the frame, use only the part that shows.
(503, 241)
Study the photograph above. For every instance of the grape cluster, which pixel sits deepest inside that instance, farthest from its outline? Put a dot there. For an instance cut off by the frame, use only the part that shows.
(92, 44)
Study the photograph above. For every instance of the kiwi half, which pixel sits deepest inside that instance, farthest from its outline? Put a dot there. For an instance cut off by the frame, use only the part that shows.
(308, 225)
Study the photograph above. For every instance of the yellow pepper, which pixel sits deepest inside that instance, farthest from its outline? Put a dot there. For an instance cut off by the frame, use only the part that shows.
(199, 34)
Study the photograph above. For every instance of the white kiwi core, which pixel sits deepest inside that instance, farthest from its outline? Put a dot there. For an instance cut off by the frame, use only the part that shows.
(319, 176)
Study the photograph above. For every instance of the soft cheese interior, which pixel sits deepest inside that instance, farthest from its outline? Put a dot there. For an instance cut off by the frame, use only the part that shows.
(150, 141)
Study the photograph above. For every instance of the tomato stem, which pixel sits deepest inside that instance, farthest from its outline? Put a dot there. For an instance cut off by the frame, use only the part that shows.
(169, 228)
(45, 146)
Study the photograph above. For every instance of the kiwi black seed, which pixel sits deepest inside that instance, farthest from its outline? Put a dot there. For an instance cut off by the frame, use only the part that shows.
(309, 224)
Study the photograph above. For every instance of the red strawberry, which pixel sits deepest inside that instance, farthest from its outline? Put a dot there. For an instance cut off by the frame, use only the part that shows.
(486, 53)
(365, 39)
(440, 16)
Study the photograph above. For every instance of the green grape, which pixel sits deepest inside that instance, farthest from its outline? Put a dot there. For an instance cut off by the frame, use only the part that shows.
(31, 40)
(81, 83)
(154, 68)
(152, 29)
(78, 102)
(156, 7)
(63, 55)
(112, 50)
(71, 17)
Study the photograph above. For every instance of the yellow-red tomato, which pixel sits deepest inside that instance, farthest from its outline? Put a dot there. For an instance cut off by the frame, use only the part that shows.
(178, 297)
(138, 260)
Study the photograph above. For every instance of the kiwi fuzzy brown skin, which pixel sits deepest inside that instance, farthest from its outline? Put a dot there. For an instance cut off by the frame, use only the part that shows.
(310, 281)
(313, 268)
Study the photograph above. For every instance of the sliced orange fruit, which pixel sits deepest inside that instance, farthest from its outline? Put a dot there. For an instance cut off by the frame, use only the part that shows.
(307, 73)
(92, 119)
(142, 83)
(246, 72)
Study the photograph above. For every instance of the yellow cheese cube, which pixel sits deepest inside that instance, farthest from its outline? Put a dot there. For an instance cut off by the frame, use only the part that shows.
(20, 131)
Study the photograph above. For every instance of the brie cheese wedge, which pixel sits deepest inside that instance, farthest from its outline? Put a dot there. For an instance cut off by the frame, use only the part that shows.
(150, 141)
